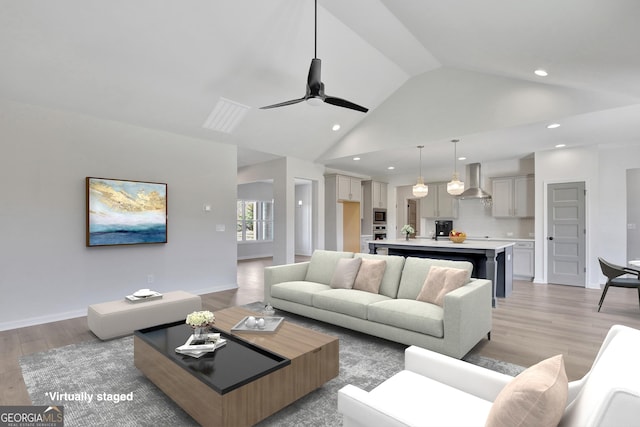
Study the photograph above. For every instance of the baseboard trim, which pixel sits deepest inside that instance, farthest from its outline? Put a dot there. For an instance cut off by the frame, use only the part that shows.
(55, 317)
(32, 321)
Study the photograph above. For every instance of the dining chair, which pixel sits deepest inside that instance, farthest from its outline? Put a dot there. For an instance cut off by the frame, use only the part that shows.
(613, 273)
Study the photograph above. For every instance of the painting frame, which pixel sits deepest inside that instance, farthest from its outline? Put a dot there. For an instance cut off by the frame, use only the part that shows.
(122, 212)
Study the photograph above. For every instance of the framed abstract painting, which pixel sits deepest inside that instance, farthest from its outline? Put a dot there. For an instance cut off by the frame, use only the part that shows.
(121, 212)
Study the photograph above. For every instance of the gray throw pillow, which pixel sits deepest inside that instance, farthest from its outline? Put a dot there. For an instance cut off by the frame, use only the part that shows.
(345, 273)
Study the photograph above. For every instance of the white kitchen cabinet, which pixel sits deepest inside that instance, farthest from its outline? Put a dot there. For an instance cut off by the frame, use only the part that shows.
(523, 260)
(438, 203)
(379, 195)
(349, 188)
(374, 196)
(513, 196)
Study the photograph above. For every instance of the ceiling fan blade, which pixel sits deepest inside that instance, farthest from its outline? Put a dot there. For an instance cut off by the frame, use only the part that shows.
(344, 103)
(282, 104)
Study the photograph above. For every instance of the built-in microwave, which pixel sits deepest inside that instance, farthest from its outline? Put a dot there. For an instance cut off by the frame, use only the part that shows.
(379, 216)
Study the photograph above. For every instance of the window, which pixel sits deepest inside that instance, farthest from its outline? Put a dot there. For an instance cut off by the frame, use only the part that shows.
(255, 221)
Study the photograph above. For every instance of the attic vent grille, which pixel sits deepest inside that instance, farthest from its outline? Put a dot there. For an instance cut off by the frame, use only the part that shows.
(225, 116)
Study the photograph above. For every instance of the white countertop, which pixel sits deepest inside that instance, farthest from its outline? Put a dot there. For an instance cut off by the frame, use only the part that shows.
(430, 243)
(485, 238)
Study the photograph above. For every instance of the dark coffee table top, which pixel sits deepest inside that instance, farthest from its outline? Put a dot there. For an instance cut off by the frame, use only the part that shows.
(229, 367)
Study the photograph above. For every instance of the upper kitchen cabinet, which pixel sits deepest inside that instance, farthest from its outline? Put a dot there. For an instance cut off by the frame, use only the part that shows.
(374, 195)
(513, 196)
(347, 188)
(438, 203)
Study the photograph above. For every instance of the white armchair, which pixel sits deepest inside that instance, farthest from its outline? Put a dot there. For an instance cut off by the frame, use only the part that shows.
(437, 390)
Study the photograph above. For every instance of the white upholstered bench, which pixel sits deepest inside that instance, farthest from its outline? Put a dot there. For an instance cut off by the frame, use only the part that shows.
(119, 318)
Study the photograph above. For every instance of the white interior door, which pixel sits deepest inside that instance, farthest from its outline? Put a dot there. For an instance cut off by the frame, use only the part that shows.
(566, 239)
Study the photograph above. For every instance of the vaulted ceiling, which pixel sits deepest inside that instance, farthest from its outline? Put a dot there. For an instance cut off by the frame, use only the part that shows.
(429, 71)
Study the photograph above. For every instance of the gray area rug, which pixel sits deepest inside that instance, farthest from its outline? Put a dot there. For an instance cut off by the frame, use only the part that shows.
(104, 371)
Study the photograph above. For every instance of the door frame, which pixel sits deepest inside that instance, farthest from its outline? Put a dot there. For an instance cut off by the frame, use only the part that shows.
(545, 224)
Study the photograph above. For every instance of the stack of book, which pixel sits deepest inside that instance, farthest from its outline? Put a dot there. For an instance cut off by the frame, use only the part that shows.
(197, 347)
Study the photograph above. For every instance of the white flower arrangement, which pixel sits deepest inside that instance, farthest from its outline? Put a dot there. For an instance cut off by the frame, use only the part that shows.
(407, 229)
(198, 319)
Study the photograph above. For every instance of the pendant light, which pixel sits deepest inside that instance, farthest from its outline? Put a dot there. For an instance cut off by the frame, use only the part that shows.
(455, 187)
(420, 189)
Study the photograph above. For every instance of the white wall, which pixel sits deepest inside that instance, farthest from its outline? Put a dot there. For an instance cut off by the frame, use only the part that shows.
(304, 224)
(604, 171)
(46, 271)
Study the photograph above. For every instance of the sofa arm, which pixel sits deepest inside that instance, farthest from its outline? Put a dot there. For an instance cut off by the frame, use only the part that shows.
(360, 410)
(467, 316)
(481, 382)
(283, 273)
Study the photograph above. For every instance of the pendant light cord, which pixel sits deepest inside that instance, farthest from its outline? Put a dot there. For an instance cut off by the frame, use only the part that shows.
(315, 34)
(455, 154)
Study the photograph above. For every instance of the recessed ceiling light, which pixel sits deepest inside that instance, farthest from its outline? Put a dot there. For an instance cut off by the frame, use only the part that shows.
(561, 145)
(335, 127)
(356, 158)
(462, 158)
(553, 126)
(391, 168)
(541, 73)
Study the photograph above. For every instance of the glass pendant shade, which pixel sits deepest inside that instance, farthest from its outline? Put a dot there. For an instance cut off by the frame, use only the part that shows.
(420, 189)
(455, 187)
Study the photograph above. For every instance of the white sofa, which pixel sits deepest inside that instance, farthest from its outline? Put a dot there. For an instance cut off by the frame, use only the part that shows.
(393, 313)
(435, 390)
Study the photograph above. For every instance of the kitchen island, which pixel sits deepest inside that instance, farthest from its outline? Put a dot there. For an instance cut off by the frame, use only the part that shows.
(491, 259)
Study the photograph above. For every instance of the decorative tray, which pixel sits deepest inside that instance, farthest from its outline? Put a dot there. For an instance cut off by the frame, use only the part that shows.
(271, 324)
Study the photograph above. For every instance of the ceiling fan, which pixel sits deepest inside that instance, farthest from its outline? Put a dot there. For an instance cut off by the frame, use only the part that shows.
(315, 88)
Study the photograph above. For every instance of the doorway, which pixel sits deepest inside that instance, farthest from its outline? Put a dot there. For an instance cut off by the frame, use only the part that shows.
(566, 234)
(412, 216)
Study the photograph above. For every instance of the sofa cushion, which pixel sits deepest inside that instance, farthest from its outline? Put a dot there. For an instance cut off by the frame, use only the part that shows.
(322, 265)
(370, 275)
(346, 301)
(536, 397)
(415, 273)
(412, 398)
(440, 281)
(345, 273)
(413, 315)
(297, 291)
(392, 273)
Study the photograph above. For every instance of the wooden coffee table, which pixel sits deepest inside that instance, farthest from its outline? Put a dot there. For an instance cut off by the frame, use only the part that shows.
(273, 369)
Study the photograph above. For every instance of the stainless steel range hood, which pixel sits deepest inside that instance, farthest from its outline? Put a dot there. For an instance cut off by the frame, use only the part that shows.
(474, 191)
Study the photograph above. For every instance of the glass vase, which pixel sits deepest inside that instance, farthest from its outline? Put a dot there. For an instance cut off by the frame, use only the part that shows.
(200, 332)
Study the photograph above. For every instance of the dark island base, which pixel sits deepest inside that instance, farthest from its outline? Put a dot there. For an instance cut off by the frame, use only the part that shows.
(495, 265)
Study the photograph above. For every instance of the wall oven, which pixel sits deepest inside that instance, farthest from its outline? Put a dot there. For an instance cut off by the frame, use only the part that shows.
(380, 216)
(379, 232)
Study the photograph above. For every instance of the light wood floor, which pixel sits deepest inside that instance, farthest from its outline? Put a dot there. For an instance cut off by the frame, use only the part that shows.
(535, 322)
